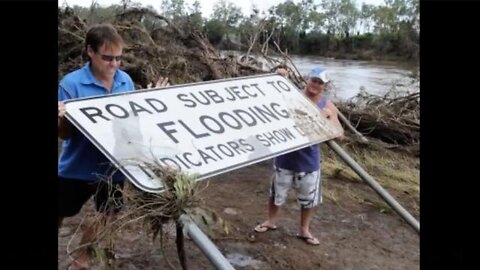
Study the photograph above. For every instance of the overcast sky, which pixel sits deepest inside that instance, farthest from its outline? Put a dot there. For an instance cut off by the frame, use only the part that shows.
(206, 5)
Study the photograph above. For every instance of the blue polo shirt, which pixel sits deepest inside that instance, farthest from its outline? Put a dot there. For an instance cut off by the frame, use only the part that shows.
(80, 159)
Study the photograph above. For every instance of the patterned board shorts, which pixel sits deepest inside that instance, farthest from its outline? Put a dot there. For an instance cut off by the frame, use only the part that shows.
(306, 185)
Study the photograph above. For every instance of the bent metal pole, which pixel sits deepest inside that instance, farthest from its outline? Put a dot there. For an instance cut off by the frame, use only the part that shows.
(206, 246)
(373, 184)
(349, 126)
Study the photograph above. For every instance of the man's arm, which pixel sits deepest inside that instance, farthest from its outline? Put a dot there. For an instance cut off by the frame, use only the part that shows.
(331, 112)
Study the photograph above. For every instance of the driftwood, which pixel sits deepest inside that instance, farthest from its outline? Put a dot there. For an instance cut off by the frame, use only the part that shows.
(395, 120)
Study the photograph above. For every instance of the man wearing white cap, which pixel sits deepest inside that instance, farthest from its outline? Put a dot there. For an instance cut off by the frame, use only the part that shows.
(301, 169)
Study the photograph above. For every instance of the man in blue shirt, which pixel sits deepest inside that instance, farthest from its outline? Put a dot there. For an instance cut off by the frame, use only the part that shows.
(301, 169)
(82, 168)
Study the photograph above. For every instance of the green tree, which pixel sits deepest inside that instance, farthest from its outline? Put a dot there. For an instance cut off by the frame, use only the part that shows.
(227, 13)
(389, 16)
(290, 18)
(215, 30)
(224, 21)
(341, 16)
(413, 12)
(195, 15)
(125, 4)
(96, 13)
(174, 10)
(317, 20)
(366, 17)
(253, 29)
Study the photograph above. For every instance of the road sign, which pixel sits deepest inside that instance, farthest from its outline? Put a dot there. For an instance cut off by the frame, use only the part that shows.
(204, 128)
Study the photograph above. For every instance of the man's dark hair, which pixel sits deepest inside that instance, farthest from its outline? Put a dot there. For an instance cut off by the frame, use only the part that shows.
(100, 34)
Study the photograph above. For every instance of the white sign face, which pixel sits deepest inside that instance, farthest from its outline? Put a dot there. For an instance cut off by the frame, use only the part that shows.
(203, 128)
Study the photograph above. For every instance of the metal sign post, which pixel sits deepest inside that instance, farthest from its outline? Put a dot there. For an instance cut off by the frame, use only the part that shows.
(373, 184)
(204, 243)
(347, 123)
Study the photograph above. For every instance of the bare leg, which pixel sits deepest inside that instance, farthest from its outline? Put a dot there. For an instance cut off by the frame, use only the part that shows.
(271, 219)
(306, 216)
(82, 255)
(304, 234)
(272, 213)
(272, 210)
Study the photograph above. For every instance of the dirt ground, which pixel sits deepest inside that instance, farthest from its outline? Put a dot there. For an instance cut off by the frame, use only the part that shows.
(353, 235)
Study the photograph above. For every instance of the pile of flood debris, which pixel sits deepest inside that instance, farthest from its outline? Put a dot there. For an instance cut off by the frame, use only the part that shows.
(394, 120)
(182, 54)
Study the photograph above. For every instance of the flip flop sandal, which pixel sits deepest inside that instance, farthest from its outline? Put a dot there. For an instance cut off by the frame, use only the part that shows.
(309, 240)
(264, 228)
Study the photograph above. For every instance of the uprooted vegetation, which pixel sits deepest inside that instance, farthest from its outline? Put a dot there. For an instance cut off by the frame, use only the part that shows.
(179, 201)
(182, 54)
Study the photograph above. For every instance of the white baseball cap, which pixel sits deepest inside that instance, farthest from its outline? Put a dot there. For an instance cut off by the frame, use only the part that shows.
(320, 73)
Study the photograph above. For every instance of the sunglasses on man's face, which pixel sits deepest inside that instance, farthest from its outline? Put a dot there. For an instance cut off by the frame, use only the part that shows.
(109, 58)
